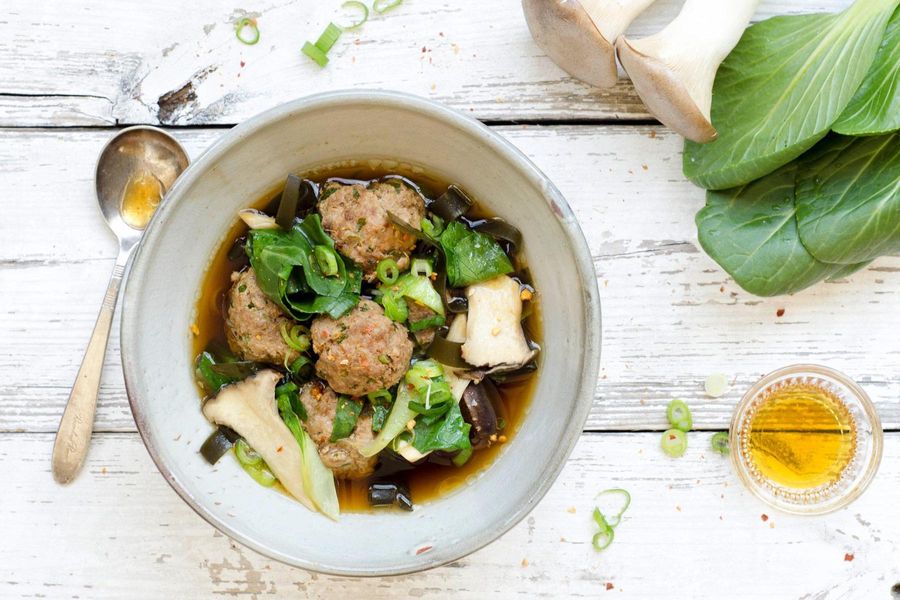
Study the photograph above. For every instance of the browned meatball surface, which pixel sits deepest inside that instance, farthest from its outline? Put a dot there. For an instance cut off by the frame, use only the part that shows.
(419, 312)
(356, 218)
(361, 352)
(342, 456)
(253, 322)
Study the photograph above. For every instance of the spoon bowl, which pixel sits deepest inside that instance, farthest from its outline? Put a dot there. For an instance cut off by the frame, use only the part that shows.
(136, 168)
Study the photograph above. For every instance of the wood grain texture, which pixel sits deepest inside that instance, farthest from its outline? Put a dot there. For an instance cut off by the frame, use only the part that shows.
(692, 531)
(671, 317)
(150, 61)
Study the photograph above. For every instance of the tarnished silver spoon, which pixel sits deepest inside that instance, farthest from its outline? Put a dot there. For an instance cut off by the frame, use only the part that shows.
(136, 168)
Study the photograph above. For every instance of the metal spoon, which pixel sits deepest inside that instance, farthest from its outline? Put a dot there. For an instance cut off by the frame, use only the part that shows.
(136, 168)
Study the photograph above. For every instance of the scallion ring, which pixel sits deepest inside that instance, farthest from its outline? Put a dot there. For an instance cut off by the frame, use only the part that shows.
(297, 337)
(679, 415)
(319, 57)
(395, 307)
(382, 6)
(719, 442)
(626, 502)
(247, 23)
(328, 38)
(388, 271)
(421, 266)
(327, 260)
(603, 538)
(382, 397)
(364, 11)
(246, 455)
(674, 442)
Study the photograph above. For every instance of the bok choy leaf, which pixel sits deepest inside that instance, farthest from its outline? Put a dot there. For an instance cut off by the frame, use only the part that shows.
(472, 257)
(290, 275)
(318, 480)
(875, 108)
(781, 89)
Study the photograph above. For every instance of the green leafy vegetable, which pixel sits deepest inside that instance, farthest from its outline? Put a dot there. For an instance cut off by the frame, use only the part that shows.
(781, 89)
(213, 374)
(395, 423)
(420, 289)
(345, 415)
(848, 199)
(290, 275)
(450, 433)
(875, 108)
(292, 393)
(381, 405)
(751, 232)
(472, 257)
(318, 480)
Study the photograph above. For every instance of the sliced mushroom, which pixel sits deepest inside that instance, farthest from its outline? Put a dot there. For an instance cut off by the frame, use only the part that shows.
(494, 335)
(477, 407)
(249, 408)
(256, 219)
(673, 71)
(580, 36)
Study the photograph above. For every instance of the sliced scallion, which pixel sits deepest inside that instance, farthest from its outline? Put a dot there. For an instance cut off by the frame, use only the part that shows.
(328, 38)
(382, 6)
(674, 442)
(421, 266)
(719, 442)
(246, 455)
(244, 24)
(388, 271)
(716, 385)
(614, 520)
(679, 415)
(319, 57)
(364, 11)
(603, 538)
(327, 260)
(395, 307)
(297, 337)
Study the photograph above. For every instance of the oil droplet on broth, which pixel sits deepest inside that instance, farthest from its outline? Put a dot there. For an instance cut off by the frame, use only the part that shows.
(802, 436)
(140, 199)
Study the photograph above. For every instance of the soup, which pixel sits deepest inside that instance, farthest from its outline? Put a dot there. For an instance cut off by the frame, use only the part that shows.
(405, 382)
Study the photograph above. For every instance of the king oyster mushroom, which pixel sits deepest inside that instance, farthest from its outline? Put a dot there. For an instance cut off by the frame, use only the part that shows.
(673, 70)
(580, 36)
(494, 335)
(249, 408)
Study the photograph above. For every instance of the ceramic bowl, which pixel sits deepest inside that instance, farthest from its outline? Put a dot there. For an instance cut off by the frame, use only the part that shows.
(164, 283)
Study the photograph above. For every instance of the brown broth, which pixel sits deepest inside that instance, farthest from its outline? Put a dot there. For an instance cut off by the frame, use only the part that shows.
(427, 481)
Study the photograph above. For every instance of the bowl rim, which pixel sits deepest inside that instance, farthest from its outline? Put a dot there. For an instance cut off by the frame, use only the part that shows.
(129, 335)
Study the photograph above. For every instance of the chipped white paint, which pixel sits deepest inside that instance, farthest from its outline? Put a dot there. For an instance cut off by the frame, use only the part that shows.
(474, 55)
(120, 532)
(670, 316)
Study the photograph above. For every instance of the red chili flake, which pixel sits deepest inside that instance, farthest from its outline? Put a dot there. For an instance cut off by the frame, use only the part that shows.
(280, 448)
(779, 312)
(424, 49)
(848, 557)
(764, 517)
(423, 550)
(243, 64)
(609, 585)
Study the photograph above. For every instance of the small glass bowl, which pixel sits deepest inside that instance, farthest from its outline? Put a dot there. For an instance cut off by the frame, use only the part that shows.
(858, 473)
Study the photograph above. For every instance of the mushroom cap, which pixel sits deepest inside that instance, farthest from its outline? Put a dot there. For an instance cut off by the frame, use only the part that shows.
(565, 31)
(664, 94)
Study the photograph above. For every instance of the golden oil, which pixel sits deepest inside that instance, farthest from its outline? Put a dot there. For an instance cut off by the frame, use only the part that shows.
(800, 436)
(140, 199)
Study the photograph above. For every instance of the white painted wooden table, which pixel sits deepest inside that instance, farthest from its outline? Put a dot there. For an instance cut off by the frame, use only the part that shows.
(72, 72)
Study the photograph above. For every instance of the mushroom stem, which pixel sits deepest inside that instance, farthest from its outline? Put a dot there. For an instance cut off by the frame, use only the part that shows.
(673, 71)
(580, 36)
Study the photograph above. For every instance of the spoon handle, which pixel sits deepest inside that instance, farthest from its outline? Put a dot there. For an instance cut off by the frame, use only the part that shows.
(74, 433)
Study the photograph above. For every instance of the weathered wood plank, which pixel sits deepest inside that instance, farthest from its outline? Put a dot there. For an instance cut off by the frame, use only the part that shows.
(475, 56)
(670, 315)
(692, 532)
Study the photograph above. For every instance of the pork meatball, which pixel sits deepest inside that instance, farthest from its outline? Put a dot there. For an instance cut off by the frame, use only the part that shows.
(253, 322)
(356, 218)
(342, 456)
(361, 352)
